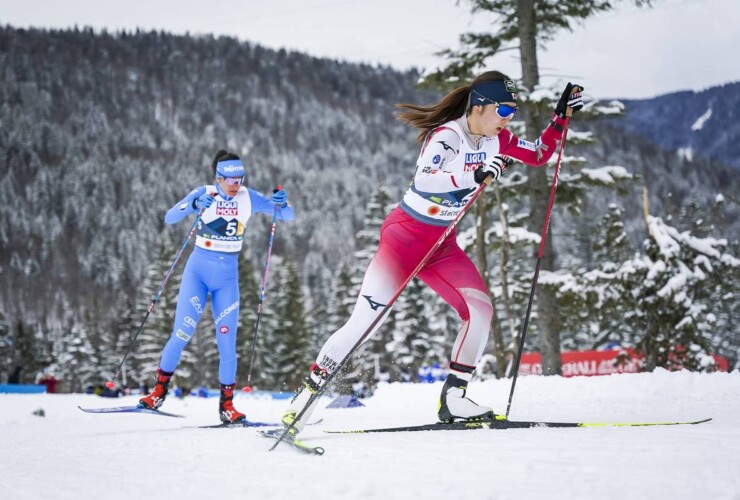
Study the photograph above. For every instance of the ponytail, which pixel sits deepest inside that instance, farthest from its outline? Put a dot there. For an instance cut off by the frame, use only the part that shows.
(450, 107)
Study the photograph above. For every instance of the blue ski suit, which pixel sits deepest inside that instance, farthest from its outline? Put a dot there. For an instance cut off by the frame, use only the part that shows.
(213, 268)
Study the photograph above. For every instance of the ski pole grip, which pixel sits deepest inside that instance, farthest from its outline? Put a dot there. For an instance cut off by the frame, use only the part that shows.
(279, 188)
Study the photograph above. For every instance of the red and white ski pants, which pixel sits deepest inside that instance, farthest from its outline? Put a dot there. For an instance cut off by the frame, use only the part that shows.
(404, 241)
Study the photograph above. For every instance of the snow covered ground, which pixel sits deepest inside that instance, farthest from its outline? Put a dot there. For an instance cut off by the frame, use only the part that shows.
(69, 454)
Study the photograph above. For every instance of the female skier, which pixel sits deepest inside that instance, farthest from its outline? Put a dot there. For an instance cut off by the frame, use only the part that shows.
(464, 141)
(213, 268)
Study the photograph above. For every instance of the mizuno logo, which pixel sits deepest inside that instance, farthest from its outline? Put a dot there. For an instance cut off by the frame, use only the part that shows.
(374, 305)
(446, 146)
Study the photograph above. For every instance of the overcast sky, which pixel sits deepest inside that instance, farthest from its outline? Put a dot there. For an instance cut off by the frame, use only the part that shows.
(628, 52)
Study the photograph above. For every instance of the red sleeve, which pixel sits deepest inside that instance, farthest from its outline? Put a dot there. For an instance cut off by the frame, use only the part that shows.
(534, 153)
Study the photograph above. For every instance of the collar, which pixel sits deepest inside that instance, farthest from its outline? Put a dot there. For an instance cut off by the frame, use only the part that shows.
(473, 140)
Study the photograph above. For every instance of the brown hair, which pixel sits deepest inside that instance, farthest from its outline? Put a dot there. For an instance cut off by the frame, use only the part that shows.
(450, 107)
(222, 155)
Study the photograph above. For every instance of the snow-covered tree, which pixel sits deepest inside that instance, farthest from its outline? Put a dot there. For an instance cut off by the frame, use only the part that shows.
(341, 300)
(662, 301)
(249, 286)
(199, 363)
(76, 364)
(524, 26)
(284, 354)
(362, 367)
(31, 349)
(413, 339)
(158, 325)
(123, 328)
(674, 281)
(6, 348)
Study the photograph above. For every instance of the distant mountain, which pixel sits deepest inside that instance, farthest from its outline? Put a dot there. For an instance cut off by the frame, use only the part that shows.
(693, 123)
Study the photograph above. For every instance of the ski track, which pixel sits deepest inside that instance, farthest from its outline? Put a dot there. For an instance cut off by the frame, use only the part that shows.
(69, 454)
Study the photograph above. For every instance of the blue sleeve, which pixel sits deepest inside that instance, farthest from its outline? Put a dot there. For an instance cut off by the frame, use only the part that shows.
(184, 207)
(261, 204)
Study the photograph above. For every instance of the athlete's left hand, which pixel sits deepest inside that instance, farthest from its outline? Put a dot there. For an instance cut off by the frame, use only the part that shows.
(280, 198)
(494, 168)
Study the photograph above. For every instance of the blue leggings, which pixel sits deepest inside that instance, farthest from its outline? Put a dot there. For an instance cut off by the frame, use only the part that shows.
(217, 273)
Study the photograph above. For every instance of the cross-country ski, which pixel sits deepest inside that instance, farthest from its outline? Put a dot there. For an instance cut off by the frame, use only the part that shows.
(293, 442)
(130, 409)
(509, 424)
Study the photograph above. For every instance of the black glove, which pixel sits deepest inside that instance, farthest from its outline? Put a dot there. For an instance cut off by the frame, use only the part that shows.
(573, 101)
(494, 168)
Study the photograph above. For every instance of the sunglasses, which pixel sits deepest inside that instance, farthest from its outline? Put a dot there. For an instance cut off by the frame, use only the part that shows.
(503, 110)
(233, 181)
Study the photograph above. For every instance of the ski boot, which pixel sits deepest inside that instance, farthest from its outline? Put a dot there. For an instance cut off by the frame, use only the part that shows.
(311, 385)
(454, 405)
(156, 398)
(226, 410)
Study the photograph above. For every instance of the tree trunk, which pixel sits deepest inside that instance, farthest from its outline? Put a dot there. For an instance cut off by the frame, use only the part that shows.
(505, 251)
(498, 337)
(547, 319)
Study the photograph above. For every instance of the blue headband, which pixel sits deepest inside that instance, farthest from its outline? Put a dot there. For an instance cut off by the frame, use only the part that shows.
(484, 93)
(230, 168)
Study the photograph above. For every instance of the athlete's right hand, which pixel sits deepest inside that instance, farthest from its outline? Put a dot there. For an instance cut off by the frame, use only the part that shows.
(203, 201)
(494, 168)
(571, 98)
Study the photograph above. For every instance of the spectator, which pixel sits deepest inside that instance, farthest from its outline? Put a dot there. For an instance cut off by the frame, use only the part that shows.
(15, 377)
(438, 373)
(49, 381)
(425, 373)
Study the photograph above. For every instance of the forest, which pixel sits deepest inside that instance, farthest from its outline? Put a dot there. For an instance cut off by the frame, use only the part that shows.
(101, 133)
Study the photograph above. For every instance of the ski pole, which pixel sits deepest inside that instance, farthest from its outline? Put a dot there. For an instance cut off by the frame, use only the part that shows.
(518, 359)
(383, 312)
(111, 383)
(262, 286)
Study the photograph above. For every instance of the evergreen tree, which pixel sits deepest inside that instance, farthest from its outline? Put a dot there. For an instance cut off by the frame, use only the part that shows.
(124, 328)
(293, 329)
(249, 286)
(676, 277)
(102, 338)
(592, 311)
(29, 344)
(284, 353)
(702, 220)
(158, 326)
(76, 361)
(200, 359)
(267, 366)
(361, 368)
(662, 301)
(6, 349)
(527, 23)
(413, 342)
(341, 300)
